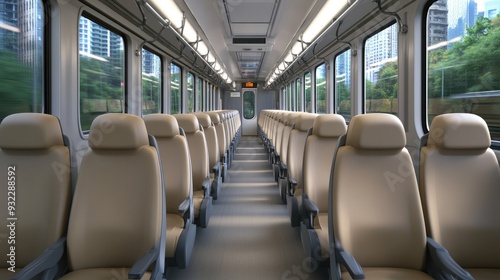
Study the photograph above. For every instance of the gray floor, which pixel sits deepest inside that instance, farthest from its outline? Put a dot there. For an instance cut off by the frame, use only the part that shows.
(249, 235)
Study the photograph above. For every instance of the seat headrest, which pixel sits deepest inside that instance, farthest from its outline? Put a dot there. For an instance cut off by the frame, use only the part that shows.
(204, 119)
(214, 117)
(30, 131)
(459, 131)
(329, 125)
(292, 118)
(284, 117)
(305, 121)
(188, 122)
(161, 125)
(117, 131)
(376, 131)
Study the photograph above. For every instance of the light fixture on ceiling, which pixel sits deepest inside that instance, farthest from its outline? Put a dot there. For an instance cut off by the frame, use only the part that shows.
(172, 15)
(326, 17)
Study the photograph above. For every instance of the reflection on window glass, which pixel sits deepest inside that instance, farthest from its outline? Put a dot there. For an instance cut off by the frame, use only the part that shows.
(199, 94)
(463, 61)
(21, 57)
(381, 71)
(307, 92)
(298, 92)
(190, 92)
(320, 83)
(151, 83)
(289, 97)
(175, 89)
(248, 105)
(343, 84)
(102, 72)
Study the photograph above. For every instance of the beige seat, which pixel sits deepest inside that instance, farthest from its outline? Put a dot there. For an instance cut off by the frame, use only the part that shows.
(460, 187)
(213, 153)
(117, 223)
(276, 156)
(35, 180)
(375, 210)
(318, 157)
(296, 145)
(200, 170)
(283, 176)
(176, 162)
(221, 141)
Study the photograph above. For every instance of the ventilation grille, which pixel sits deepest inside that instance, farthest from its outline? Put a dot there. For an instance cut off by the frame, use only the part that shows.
(249, 40)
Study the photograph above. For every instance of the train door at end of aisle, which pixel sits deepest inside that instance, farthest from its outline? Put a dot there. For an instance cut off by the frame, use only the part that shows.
(249, 118)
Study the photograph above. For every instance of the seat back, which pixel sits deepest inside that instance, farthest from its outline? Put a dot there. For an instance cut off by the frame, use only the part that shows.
(279, 131)
(318, 157)
(119, 197)
(460, 187)
(175, 159)
(211, 138)
(219, 130)
(35, 176)
(296, 145)
(197, 148)
(375, 210)
(289, 124)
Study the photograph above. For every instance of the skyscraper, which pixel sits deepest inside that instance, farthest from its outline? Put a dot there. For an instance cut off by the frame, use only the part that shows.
(437, 23)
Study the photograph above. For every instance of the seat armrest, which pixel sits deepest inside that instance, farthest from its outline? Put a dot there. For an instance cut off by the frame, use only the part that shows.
(311, 209)
(48, 259)
(142, 264)
(291, 187)
(216, 169)
(184, 206)
(349, 262)
(440, 262)
(283, 169)
(206, 186)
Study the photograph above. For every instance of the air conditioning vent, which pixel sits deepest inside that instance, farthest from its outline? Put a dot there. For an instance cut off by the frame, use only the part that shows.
(261, 40)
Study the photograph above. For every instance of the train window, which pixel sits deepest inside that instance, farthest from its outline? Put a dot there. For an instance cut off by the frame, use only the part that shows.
(199, 94)
(343, 84)
(292, 97)
(248, 105)
(320, 83)
(282, 98)
(151, 83)
(102, 72)
(307, 92)
(22, 62)
(298, 92)
(381, 71)
(175, 89)
(289, 96)
(190, 92)
(463, 61)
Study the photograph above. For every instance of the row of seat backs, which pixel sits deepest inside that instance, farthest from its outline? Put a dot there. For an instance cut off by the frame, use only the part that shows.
(121, 169)
(377, 207)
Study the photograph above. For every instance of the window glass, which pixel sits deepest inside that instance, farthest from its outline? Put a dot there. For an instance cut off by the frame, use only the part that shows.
(248, 105)
(102, 72)
(175, 89)
(151, 83)
(381, 71)
(199, 94)
(320, 83)
(298, 92)
(343, 84)
(21, 57)
(190, 92)
(307, 92)
(463, 60)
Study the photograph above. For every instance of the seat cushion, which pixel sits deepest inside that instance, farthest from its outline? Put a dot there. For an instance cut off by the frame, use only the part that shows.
(175, 225)
(197, 199)
(101, 274)
(321, 229)
(390, 274)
